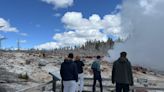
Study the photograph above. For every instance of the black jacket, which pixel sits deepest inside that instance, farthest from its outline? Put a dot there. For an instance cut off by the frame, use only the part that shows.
(122, 72)
(68, 71)
(80, 65)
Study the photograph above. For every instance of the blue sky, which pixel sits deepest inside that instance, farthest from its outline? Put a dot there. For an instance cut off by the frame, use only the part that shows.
(37, 22)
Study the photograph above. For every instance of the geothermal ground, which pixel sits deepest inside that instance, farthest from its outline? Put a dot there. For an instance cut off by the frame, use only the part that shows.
(20, 70)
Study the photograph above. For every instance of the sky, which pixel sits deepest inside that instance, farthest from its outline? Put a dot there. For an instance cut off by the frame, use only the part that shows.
(48, 24)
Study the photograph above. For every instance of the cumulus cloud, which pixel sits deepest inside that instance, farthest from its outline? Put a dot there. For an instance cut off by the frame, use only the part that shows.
(60, 3)
(73, 38)
(110, 24)
(81, 29)
(6, 27)
(143, 19)
(48, 45)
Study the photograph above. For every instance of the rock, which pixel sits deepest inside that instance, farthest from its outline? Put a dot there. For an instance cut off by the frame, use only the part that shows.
(42, 62)
(4, 88)
(23, 76)
(29, 61)
(2, 81)
(8, 77)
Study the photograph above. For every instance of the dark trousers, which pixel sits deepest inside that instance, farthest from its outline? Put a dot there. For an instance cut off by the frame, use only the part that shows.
(94, 85)
(120, 87)
(62, 86)
(97, 76)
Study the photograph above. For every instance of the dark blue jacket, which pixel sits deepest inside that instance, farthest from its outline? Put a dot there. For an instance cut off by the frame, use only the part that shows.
(68, 71)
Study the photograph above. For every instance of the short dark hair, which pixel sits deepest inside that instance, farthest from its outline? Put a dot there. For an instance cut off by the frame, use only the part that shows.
(70, 55)
(98, 57)
(123, 54)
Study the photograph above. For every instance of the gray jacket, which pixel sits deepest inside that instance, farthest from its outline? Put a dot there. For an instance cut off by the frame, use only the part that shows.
(122, 72)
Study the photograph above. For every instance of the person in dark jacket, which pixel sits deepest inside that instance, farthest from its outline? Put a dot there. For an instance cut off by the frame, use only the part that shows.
(80, 66)
(122, 73)
(97, 74)
(69, 74)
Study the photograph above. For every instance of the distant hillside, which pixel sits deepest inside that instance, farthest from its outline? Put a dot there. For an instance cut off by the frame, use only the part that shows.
(90, 48)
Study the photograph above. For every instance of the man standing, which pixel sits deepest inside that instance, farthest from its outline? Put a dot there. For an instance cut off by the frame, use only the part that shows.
(69, 74)
(97, 74)
(122, 73)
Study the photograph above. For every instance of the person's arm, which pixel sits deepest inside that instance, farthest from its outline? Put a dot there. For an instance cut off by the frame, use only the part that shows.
(61, 71)
(92, 66)
(113, 73)
(131, 75)
(82, 63)
(75, 72)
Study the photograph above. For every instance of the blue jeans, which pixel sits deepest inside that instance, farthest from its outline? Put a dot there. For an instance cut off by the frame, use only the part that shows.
(121, 86)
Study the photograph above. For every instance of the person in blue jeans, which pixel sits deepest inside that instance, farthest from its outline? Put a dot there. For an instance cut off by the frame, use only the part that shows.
(122, 73)
(97, 74)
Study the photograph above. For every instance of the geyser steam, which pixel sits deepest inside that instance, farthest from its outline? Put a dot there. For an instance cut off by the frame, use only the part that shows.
(144, 20)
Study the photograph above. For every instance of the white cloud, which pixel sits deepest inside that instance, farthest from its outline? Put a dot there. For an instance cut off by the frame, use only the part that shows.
(6, 27)
(23, 34)
(57, 14)
(22, 41)
(74, 20)
(48, 45)
(82, 29)
(60, 3)
(110, 24)
(73, 38)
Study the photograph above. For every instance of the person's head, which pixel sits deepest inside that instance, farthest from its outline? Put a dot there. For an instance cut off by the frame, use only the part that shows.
(77, 58)
(70, 55)
(98, 57)
(123, 54)
(65, 59)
